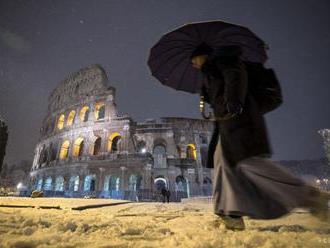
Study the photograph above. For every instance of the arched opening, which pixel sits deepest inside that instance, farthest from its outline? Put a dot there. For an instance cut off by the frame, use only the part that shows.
(207, 186)
(43, 155)
(97, 146)
(60, 122)
(64, 149)
(59, 183)
(52, 152)
(99, 111)
(159, 154)
(111, 183)
(90, 183)
(84, 113)
(106, 185)
(74, 183)
(78, 147)
(181, 187)
(134, 182)
(114, 142)
(116, 183)
(179, 151)
(39, 184)
(191, 151)
(141, 147)
(48, 184)
(160, 183)
(70, 119)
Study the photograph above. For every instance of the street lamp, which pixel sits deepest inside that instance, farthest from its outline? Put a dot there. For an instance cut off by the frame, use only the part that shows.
(19, 185)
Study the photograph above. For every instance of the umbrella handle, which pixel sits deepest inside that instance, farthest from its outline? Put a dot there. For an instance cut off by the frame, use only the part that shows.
(202, 108)
(210, 116)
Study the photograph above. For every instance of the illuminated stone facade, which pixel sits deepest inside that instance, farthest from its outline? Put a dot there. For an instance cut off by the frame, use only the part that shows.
(87, 148)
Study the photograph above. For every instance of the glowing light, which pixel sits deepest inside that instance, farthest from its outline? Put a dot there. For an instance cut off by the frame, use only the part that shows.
(60, 122)
(191, 151)
(64, 149)
(83, 115)
(78, 147)
(71, 116)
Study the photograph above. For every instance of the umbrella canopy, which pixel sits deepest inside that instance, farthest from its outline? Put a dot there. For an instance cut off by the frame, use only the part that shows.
(170, 57)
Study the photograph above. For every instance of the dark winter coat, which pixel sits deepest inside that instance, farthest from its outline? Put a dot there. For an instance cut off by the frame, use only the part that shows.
(244, 135)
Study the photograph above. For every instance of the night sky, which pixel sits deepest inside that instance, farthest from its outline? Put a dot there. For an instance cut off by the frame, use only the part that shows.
(41, 42)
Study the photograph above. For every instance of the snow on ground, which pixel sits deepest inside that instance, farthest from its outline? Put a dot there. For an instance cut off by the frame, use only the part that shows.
(146, 225)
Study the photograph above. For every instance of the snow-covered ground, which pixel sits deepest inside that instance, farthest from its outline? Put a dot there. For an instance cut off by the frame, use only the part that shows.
(145, 225)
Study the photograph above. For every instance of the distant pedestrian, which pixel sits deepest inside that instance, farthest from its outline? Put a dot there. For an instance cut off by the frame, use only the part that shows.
(168, 195)
(164, 193)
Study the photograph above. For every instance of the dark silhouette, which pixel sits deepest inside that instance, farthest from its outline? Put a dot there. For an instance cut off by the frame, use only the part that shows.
(163, 193)
(168, 195)
(247, 182)
(224, 63)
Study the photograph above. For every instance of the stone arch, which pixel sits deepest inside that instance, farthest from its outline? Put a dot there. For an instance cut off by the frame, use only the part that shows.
(71, 117)
(64, 152)
(141, 146)
(52, 151)
(96, 146)
(160, 183)
(39, 183)
(111, 183)
(48, 183)
(114, 142)
(182, 186)
(74, 183)
(134, 182)
(159, 155)
(90, 183)
(178, 148)
(99, 111)
(59, 183)
(43, 155)
(191, 151)
(160, 141)
(60, 121)
(84, 113)
(78, 147)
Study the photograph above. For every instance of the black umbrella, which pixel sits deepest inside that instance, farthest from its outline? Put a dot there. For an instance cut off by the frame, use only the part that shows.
(170, 57)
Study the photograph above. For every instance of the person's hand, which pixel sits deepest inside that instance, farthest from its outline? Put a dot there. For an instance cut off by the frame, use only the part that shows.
(233, 109)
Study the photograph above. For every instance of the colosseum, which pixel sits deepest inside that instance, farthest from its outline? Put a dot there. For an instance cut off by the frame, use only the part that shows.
(86, 148)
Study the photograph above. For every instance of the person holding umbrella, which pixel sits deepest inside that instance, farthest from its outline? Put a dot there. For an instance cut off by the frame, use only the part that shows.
(210, 59)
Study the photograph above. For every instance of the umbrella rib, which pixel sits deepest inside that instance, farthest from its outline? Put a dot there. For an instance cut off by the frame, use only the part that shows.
(166, 51)
(184, 72)
(174, 67)
(169, 41)
(160, 65)
(244, 45)
(239, 34)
